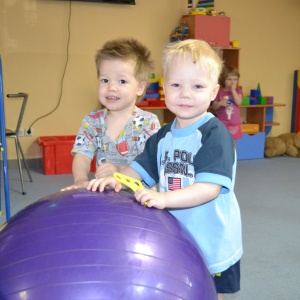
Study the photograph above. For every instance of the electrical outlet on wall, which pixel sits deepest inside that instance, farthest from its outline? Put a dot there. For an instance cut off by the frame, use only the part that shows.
(26, 132)
(21, 132)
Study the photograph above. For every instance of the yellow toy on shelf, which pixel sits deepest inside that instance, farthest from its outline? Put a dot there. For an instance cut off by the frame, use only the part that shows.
(161, 89)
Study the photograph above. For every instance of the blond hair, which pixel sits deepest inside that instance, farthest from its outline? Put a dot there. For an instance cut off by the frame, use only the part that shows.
(202, 53)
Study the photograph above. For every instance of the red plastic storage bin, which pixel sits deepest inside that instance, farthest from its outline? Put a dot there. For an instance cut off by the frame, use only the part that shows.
(57, 157)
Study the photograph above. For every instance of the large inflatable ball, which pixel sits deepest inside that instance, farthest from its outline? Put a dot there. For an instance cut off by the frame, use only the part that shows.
(91, 245)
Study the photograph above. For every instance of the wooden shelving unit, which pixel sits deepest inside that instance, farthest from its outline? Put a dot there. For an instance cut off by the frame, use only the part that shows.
(231, 56)
(257, 114)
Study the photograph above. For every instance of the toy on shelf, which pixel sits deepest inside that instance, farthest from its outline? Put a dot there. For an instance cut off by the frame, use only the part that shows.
(235, 44)
(152, 90)
(198, 11)
(181, 32)
(256, 98)
(205, 8)
(161, 89)
(154, 96)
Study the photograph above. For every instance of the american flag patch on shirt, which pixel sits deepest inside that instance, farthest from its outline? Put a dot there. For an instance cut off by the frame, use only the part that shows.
(174, 183)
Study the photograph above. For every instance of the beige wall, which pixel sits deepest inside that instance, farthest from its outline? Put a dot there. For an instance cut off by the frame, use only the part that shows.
(268, 32)
(33, 43)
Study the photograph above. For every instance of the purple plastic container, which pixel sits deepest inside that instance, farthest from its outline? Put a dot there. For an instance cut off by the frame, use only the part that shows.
(91, 245)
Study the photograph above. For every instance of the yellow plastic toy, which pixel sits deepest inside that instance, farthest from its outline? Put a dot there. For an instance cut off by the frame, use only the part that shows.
(132, 183)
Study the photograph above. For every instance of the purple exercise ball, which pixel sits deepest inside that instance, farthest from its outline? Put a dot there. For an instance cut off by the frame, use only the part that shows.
(91, 245)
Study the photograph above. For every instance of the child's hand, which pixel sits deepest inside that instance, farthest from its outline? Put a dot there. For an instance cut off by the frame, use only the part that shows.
(151, 198)
(224, 101)
(75, 186)
(101, 183)
(106, 169)
(233, 86)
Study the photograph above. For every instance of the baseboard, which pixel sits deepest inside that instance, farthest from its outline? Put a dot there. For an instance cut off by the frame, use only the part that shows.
(32, 163)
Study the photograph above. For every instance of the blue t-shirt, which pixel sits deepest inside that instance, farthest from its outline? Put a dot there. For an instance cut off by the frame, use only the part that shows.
(203, 152)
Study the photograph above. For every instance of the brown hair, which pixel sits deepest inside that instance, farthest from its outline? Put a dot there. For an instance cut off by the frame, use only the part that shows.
(228, 71)
(128, 49)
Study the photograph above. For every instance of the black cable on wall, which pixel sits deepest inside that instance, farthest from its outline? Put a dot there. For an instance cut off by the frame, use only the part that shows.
(63, 75)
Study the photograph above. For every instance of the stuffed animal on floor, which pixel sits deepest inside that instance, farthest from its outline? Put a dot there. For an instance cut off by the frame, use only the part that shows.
(284, 144)
(274, 146)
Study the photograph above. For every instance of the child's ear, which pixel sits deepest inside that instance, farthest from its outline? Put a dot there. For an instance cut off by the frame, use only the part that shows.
(141, 88)
(215, 91)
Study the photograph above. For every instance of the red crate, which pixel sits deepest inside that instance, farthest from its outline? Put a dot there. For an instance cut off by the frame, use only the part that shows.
(57, 157)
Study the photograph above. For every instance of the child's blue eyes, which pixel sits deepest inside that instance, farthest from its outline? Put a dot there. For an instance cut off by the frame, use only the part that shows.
(197, 86)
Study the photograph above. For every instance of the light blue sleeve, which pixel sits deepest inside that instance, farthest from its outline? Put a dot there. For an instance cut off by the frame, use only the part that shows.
(149, 181)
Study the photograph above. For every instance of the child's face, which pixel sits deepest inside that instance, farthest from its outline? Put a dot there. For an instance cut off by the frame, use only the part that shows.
(231, 82)
(118, 87)
(188, 91)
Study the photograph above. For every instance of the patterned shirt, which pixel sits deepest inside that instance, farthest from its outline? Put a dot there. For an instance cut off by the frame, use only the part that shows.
(92, 138)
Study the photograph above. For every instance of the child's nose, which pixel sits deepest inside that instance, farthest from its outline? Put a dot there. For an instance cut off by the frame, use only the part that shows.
(111, 87)
(185, 93)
